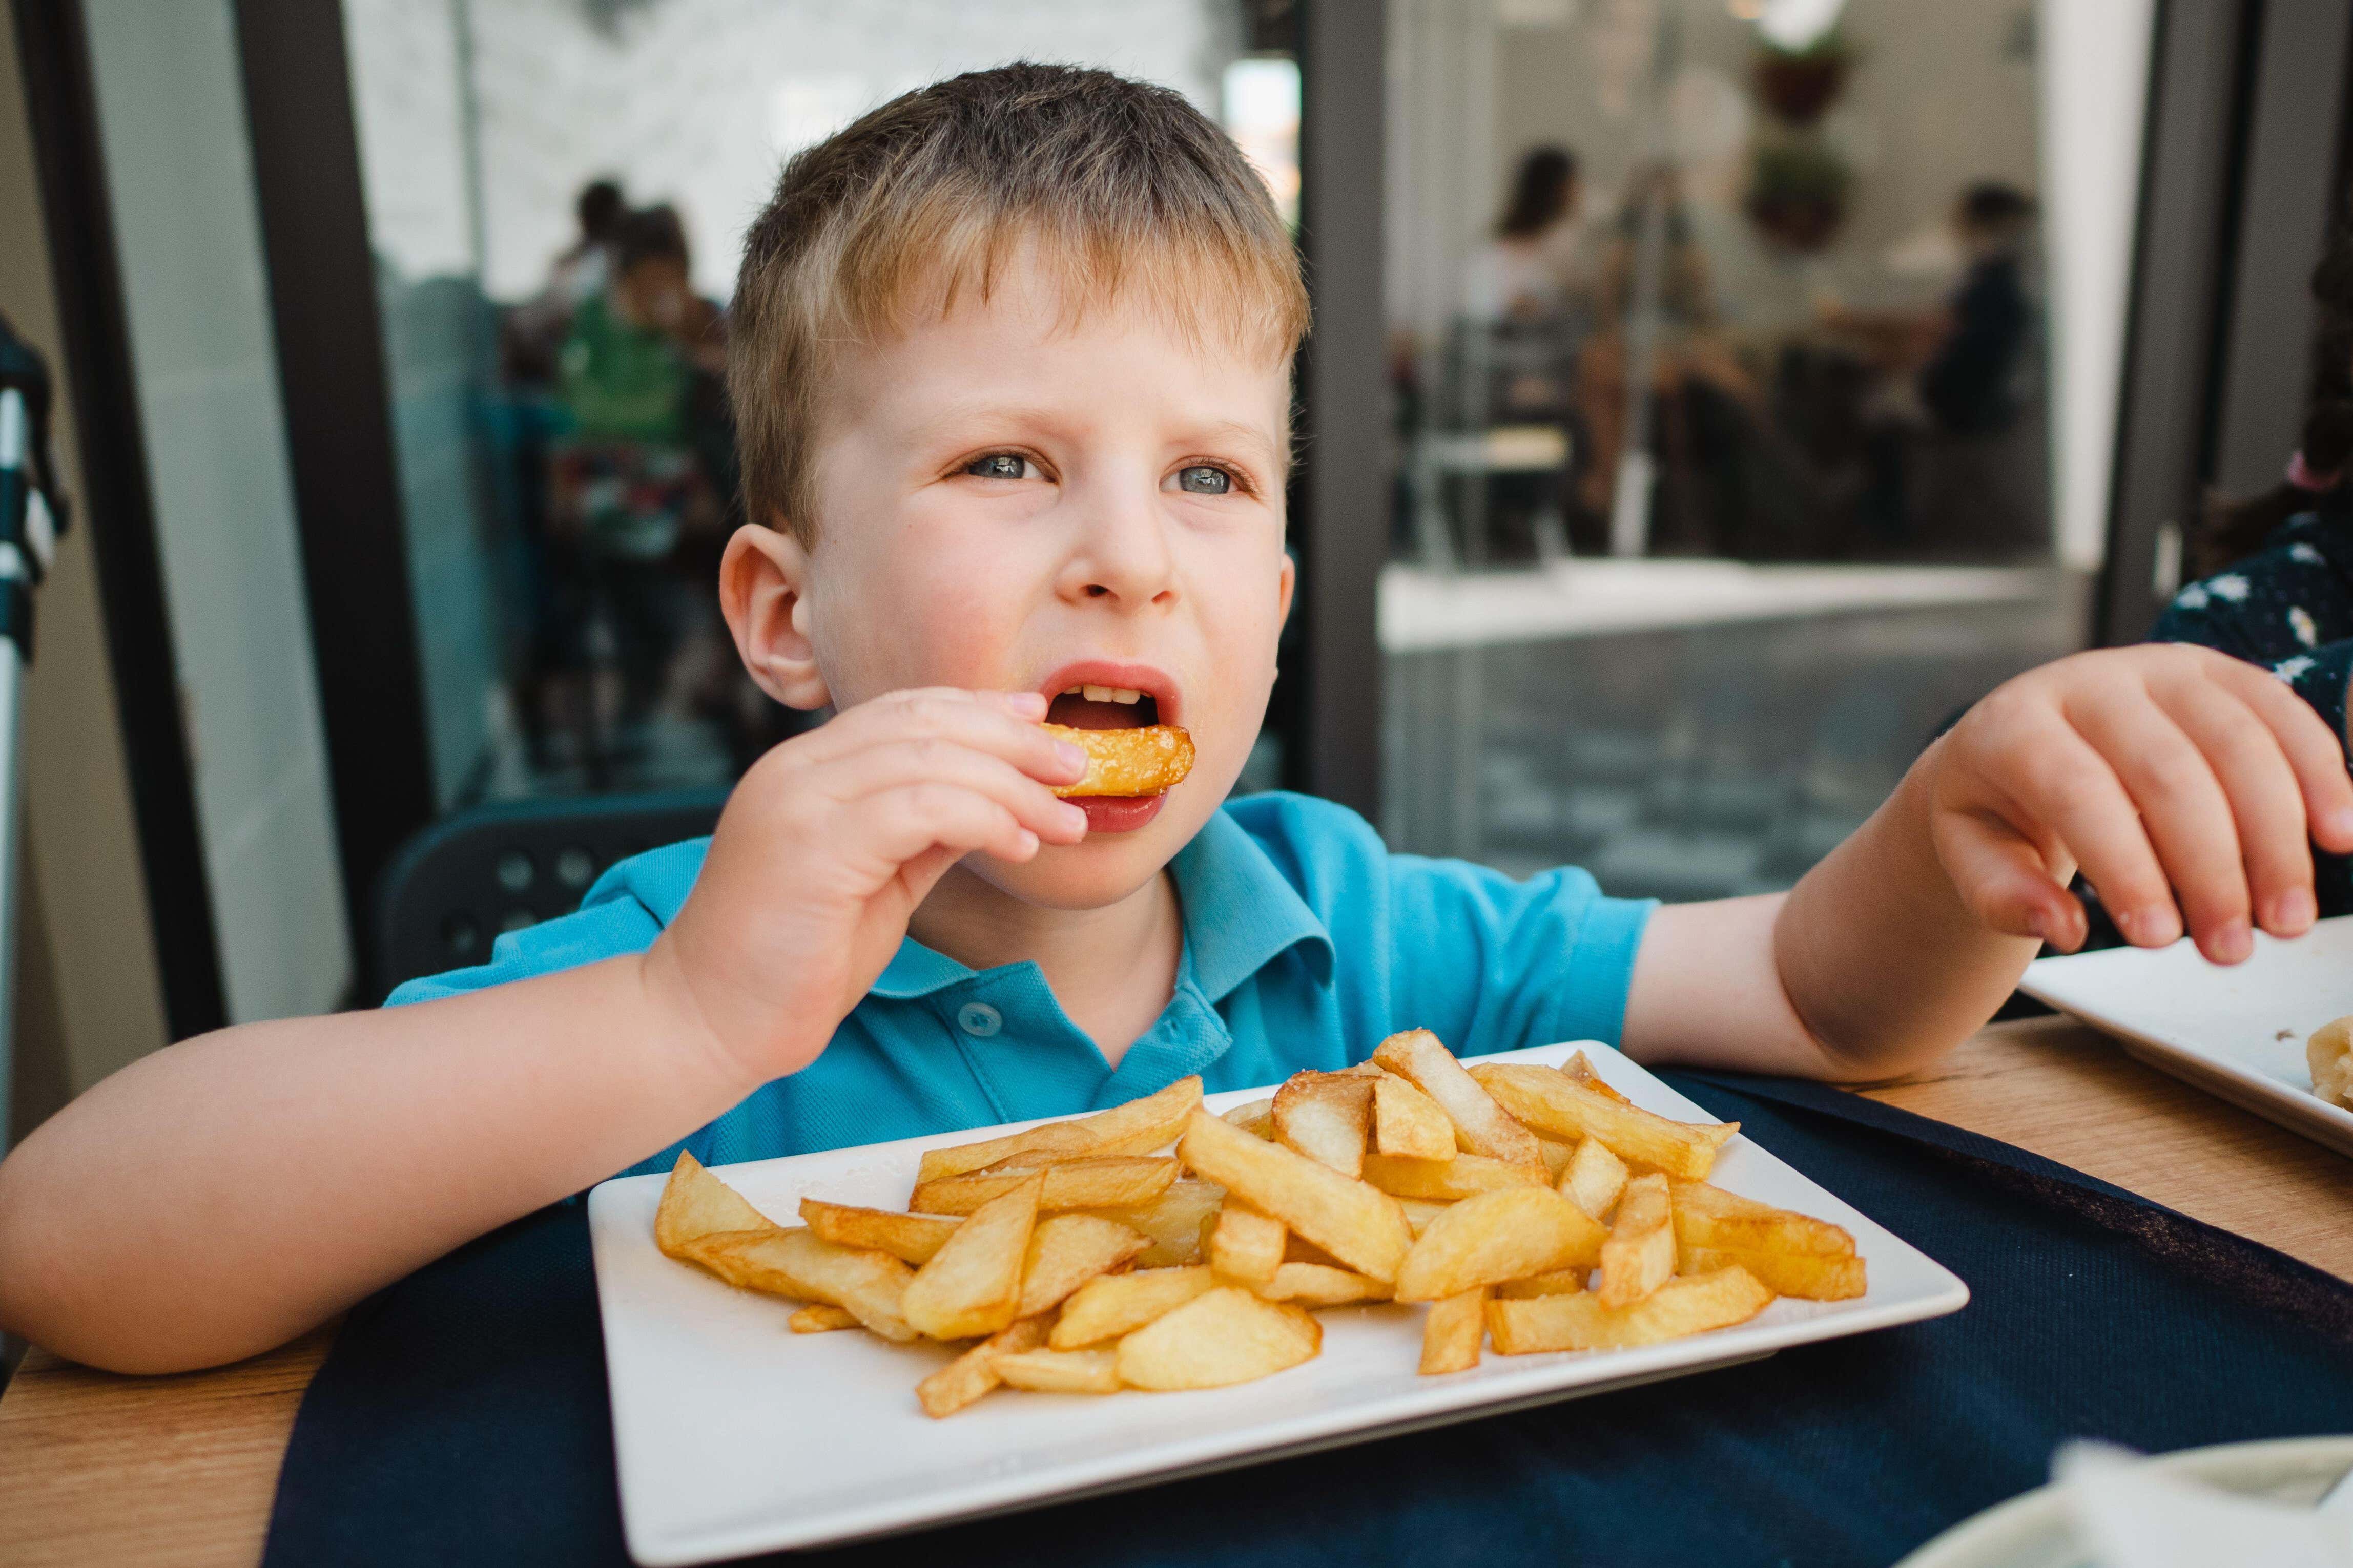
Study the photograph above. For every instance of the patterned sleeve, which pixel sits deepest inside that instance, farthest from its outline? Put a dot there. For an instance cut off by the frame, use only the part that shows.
(2319, 678)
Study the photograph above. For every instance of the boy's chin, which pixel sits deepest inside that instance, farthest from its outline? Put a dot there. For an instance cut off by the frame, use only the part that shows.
(1094, 873)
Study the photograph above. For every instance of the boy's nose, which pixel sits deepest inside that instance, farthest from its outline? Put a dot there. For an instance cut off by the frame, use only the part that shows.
(1121, 552)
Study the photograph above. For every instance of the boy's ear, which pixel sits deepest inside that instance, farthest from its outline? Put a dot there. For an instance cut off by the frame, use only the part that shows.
(764, 582)
(1286, 588)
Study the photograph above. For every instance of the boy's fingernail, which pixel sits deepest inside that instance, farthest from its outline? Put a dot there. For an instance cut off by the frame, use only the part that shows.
(1071, 758)
(1073, 817)
(2294, 909)
(2340, 825)
(2038, 926)
(1029, 704)
(2233, 942)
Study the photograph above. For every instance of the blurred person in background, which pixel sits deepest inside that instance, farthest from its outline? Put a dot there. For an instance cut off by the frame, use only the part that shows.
(535, 329)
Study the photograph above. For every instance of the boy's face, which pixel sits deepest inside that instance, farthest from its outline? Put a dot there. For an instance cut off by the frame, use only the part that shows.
(1010, 499)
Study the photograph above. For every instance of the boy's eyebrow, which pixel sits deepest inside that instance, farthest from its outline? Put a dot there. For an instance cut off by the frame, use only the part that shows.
(946, 422)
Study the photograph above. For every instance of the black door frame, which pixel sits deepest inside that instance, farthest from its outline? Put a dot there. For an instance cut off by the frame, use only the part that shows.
(117, 506)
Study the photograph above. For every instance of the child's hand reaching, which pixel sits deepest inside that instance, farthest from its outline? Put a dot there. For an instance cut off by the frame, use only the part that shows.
(829, 843)
(2187, 786)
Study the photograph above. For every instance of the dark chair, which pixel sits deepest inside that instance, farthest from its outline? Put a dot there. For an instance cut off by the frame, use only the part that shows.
(455, 886)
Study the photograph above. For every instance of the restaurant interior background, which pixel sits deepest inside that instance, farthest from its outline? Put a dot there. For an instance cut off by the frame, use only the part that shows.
(1709, 398)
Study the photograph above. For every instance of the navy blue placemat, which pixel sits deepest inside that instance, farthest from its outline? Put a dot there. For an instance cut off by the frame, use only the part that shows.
(461, 1417)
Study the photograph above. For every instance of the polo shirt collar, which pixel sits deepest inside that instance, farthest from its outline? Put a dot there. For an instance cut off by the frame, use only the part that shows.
(1240, 913)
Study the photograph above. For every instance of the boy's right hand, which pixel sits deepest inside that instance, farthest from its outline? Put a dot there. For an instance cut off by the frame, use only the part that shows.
(829, 843)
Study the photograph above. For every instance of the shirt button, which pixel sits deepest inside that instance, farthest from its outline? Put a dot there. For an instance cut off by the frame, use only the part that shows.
(979, 1019)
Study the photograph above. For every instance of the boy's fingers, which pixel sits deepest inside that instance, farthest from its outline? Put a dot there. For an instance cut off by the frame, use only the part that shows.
(2074, 796)
(2184, 814)
(2266, 800)
(896, 763)
(906, 823)
(984, 721)
(2002, 881)
(2316, 755)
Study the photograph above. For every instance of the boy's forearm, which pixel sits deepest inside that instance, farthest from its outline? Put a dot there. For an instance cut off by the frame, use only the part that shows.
(228, 1193)
(1878, 955)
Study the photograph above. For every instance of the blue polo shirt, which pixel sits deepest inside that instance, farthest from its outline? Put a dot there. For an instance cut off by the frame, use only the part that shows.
(1306, 942)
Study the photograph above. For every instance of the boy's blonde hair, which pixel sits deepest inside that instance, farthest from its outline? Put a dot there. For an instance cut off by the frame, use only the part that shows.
(1119, 187)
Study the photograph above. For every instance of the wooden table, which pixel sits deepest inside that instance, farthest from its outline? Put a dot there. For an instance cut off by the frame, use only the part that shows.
(104, 1469)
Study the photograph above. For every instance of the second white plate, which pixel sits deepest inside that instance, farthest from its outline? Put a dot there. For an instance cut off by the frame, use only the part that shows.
(2236, 1032)
(736, 1436)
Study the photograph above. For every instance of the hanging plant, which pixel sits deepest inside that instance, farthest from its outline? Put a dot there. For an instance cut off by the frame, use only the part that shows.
(1798, 193)
(1797, 86)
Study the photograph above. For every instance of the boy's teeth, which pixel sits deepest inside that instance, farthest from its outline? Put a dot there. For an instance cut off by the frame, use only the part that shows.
(1097, 693)
(1122, 694)
(1070, 692)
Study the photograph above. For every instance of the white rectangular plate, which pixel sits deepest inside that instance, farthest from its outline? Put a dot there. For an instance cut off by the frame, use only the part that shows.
(2237, 1032)
(735, 1436)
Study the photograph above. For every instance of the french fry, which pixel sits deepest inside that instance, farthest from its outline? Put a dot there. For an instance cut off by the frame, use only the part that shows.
(1556, 1156)
(1093, 1181)
(970, 1375)
(1407, 1123)
(1326, 1117)
(1552, 1282)
(1246, 1244)
(1446, 1181)
(1127, 1126)
(1688, 1305)
(1223, 1336)
(1498, 1236)
(1480, 1125)
(716, 1253)
(1808, 1276)
(694, 1203)
(973, 1283)
(1147, 759)
(1256, 1118)
(821, 1317)
(1558, 1106)
(1577, 1067)
(1707, 1215)
(1172, 1222)
(1109, 1305)
(1362, 1227)
(1059, 1372)
(1066, 1250)
(795, 1264)
(909, 1237)
(1452, 1330)
(1639, 1255)
(1320, 1285)
(1594, 1179)
(1420, 1212)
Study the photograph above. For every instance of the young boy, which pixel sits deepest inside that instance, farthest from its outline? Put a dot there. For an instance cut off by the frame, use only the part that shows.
(1012, 359)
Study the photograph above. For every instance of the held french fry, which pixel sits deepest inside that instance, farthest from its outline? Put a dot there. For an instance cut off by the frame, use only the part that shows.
(1407, 1123)
(1639, 1255)
(1091, 1182)
(1451, 1331)
(1688, 1305)
(970, 1375)
(973, 1283)
(1245, 1244)
(1119, 1131)
(1498, 1236)
(1362, 1227)
(1111, 1305)
(1594, 1179)
(694, 1203)
(1171, 1222)
(909, 1237)
(1326, 1117)
(1224, 1336)
(1808, 1276)
(1482, 1126)
(1066, 1250)
(1149, 760)
(1446, 1181)
(1559, 1107)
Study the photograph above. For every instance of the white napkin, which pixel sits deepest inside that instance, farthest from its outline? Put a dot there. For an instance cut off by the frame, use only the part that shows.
(2129, 1514)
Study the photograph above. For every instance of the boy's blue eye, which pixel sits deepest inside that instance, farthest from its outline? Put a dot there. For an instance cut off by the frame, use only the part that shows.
(999, 465)
(1202, 479)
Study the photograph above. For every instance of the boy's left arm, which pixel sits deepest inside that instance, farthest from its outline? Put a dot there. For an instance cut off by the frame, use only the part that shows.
(2187, 785)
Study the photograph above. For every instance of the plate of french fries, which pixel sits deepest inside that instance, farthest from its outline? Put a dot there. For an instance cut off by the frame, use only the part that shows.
(2272, 1034)
(828, 1346)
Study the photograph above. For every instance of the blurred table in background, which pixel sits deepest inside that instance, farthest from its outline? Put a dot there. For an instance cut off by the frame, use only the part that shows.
(180, 1470)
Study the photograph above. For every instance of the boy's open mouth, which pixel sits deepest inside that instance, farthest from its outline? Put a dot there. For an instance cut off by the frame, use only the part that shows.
(1103, 708)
